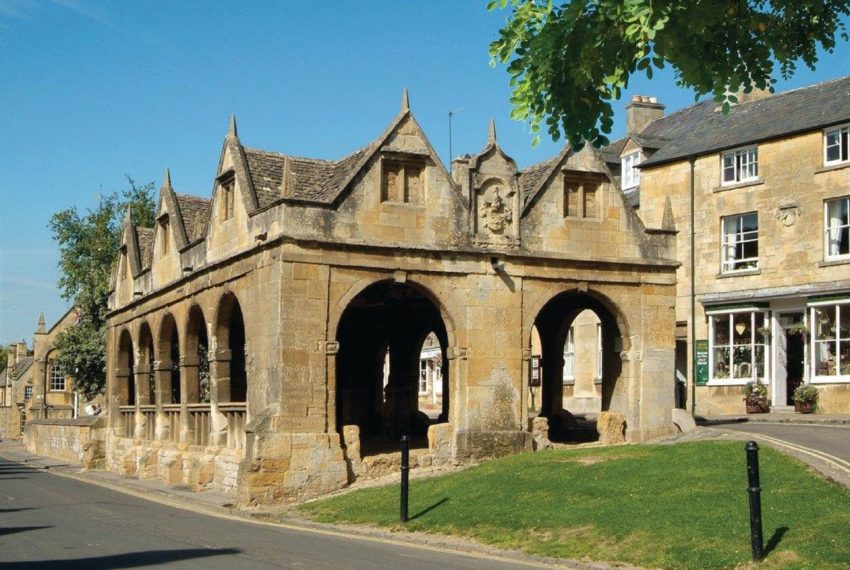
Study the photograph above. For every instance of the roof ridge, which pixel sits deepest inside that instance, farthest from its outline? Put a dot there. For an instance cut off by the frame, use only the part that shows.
(192, 197)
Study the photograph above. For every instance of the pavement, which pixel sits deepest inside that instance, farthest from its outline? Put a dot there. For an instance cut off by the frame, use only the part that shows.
(60, 517)
(777, 418)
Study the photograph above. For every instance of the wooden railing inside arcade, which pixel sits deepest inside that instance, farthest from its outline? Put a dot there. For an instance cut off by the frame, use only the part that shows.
(199, 423)
(236, 415)
(127, 420)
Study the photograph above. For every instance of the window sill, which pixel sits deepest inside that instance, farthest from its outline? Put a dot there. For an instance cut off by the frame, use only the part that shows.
(589, 219)
(597, 381)
(741, 273)
(569, 381)
(721, 383)
(737, 185)
(835, 261)
(843, 379)
(832, 167)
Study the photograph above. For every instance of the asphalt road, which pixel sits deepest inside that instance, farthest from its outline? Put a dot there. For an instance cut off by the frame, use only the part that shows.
(834, 440)
(48, 521)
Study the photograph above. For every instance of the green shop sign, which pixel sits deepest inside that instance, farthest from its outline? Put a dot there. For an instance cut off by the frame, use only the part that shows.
(701, 356)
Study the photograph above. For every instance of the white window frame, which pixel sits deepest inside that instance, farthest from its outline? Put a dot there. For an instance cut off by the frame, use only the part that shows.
(599, 351)
(570, 355)
(57, 374)
(827, 228)
(423, 377)
(630, 173)
(837, 378)
(744, 167)
(843, 131)
(726, 246)
(756, 322)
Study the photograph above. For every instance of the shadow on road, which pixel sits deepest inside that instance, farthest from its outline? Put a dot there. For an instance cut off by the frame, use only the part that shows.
(129, 560)
(429, 509)
(16, 529)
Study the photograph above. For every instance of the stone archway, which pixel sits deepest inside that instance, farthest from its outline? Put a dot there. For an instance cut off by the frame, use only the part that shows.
(386, 324)
(558, 324)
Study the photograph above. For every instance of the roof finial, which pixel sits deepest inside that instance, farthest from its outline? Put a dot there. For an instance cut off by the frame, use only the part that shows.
(491, 132)
(41, 326)
(231, 132)
(129, 216)
(405, 101)
(166, 179)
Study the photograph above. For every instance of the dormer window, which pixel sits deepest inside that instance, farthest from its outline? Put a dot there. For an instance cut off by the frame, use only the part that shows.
(630, 172)
(836, 145)
(581, 196)
(403, 180)
(740, 165)
(227, 193)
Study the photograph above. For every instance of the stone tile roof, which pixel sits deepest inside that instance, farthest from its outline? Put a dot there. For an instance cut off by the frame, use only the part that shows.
(701, 129)
(195, 212)
(533, 176)
(611, 153)
(20, 367)
(145, 237)
(310, 179)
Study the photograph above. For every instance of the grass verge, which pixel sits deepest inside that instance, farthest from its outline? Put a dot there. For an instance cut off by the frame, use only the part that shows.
(673, 506)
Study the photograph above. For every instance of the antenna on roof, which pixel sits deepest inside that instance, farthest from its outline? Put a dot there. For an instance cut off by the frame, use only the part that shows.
(451, 113)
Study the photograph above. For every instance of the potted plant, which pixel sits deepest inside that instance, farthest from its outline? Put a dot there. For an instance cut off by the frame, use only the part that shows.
(806, 399)
(798, 328)
(756, 398)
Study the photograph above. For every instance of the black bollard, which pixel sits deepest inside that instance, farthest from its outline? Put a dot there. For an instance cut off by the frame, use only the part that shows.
(405, 468)
(755, 500)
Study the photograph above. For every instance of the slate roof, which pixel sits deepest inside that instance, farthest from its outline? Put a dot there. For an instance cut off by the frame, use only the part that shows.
(145, 237)
(611, 153)
(20, 367)
(194, 211)
(311, 179)
(532, 176)
(702, 129)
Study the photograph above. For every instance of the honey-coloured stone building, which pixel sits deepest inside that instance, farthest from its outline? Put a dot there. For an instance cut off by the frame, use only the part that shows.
(248, 332)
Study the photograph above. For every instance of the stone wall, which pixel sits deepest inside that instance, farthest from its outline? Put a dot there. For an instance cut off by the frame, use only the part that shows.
(10, 422)
(77, 441)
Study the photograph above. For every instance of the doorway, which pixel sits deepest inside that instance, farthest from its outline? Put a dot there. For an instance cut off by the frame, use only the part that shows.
(795, 350)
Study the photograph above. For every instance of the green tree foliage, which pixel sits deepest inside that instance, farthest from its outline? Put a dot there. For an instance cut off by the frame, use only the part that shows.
(567, 63)
(4, 357)
(88, 248)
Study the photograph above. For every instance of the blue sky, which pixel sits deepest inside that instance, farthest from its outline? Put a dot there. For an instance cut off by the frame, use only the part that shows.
(93, 91)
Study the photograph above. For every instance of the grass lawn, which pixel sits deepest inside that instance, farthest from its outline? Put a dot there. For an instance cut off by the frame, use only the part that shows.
(672, 506)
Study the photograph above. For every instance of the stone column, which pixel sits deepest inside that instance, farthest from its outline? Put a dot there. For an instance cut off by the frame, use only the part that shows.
(219, 392)
(162, 392)
(121, 394)
(142, 375)
(189, 381)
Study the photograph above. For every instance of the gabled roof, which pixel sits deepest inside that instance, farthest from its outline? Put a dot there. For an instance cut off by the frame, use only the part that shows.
(701, 128)
(194, 213)
(145, 237)
(534, 177)
(20, 367)
(309, 179)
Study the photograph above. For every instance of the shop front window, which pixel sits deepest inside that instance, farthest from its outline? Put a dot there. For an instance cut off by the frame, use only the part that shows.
(831, 340)
(738, 346)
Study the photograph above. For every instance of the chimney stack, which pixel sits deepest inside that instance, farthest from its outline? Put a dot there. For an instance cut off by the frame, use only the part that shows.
(12, 357)
(642, 111)
(21, 351)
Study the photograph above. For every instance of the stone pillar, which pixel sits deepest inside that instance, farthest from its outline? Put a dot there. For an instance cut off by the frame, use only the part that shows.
(219, 393)
(189, 383)
(162, 392)
(121, 397)
(142, 374)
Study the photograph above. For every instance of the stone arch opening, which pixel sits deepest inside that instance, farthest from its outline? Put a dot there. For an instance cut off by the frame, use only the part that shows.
(381, 334)
(168, 356)
(125, 374)
(578, 338)
(231, 376)
(147, 392)
(195, 363)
